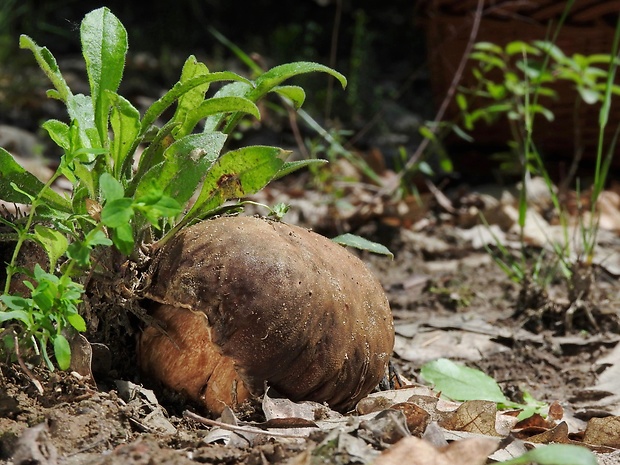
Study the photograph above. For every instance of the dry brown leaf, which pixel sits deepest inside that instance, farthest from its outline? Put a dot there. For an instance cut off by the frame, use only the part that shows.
(474, 416)
(559, 434)
(603, 432)
(415, 451)
(417, 418)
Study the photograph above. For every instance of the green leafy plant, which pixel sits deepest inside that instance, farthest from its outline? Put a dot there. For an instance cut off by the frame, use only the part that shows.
(512, 82)
(555, 454)
(136, 179)
(459, 382)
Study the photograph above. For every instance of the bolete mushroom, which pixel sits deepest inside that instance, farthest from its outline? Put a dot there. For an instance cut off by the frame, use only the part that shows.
(246, 301)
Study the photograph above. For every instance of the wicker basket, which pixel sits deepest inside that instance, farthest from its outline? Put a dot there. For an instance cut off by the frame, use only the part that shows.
(589, 29)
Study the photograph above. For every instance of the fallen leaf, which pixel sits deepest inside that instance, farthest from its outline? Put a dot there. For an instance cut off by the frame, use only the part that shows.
(474, 416)
(415, 451)
(603, 432)
(417, 418)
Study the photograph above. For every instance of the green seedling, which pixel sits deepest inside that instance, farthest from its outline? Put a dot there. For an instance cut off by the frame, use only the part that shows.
(459, 382)
(512, 82)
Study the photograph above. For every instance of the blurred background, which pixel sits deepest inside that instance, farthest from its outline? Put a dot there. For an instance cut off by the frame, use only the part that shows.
(404, 61)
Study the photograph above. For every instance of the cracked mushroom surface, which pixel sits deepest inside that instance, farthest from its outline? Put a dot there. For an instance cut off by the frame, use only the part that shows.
(246, 301)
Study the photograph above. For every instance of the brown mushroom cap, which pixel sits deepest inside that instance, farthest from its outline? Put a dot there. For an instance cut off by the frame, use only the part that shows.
(272, 303)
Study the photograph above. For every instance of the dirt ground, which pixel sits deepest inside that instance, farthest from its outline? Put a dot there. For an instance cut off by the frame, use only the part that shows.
(449, 300)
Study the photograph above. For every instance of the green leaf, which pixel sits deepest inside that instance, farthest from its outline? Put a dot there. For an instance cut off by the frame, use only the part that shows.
(104, 45)
(181, 88)
(278, 74)
(555, 454)
(461, 101)
(58, 132)
(111, 189)
(362, 243)
(13, 173)
(269, 80)
(553, 50)
(153, 154)
(519, 47)
(194, 97)
(291, 166)
(588, 95)
(79, 252)
(19, 315)
(233, 89)
(491, 61)
(125, 122)
(96, 237)
(76, 321)
(62, 351)
(296, 94)
(54, 243)
(122, 237)
(238, 173)
(48, 64)
(117, 213)
(489, 47)
(185, 164)
(82, 114)
(214, 106)
(459, 382)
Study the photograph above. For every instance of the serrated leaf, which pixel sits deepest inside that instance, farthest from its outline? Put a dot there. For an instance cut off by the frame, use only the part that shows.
(62, 351)
(362, 243)
(104, 46)
(54, 243)
(462, 383)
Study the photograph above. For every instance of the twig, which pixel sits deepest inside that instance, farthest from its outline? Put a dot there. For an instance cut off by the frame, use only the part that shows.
(242, 429)
(389, 189)
(23, 366)
(450, 94)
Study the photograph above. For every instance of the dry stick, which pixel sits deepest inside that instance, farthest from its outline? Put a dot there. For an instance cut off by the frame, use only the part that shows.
(395, 182)
(449, 95)
(23, 366)
(242, 429)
